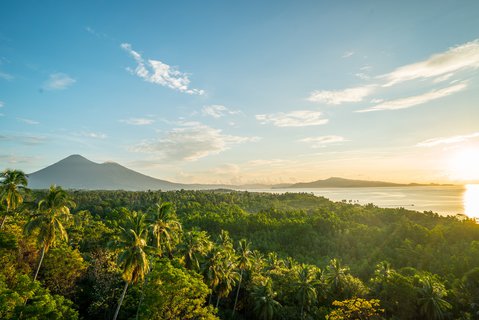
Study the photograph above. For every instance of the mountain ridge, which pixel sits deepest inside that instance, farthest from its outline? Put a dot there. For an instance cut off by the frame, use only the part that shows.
(337, 182)
(78, 172)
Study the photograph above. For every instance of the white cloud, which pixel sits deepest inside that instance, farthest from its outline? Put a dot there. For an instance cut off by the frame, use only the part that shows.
(28, 140)
(1, 104)
(447, 140)
(416, 100)
(217, 111)
(322, 141)
(299, 118)
(347, 54)
(15, 159)
(462, 57)
(268, 162)
(6, 76)
(191, 142)
(439, 68)
(92, 31)
(138, 121)
(28, 121)
(94, 135)
(337, 97)
(58, 81)
(363, 76)
(443, 78)
(157, 72)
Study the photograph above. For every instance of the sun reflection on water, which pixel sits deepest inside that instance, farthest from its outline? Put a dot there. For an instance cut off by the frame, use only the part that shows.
(471, 201)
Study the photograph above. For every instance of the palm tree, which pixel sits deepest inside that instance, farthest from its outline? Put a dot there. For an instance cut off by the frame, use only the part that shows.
(53, 211)
(219, 268)
(244, 260)
(383, 271)
(12, 187)
(431, 303)
(265, 305)
(132, 258)
(228, 278)
(195, 244)
(335, 275)
(305, 287)
(165, 228)
(212, 271)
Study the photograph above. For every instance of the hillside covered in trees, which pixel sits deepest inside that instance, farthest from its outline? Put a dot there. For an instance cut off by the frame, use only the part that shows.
(228, 255)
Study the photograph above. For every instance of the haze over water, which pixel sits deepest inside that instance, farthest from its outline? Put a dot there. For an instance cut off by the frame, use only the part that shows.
(450, 200)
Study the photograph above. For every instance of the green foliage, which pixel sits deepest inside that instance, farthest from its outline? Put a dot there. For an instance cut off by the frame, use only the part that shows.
(13, 186)
(53, 211)
(40, 304)
(62, 267)
(355, 309)
(264, 304)
(173, 292)
(297, 255)
(165, 228)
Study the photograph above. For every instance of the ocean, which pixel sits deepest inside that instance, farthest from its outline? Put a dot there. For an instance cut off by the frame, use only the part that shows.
(447, 200)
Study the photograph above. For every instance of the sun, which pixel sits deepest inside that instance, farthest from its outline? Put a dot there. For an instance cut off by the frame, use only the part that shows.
(465, 164)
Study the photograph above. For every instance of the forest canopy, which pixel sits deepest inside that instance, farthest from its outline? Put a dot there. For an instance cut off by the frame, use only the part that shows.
(229, 255)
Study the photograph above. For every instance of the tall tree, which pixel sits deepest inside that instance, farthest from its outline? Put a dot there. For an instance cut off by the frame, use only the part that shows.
(305, 287)
(195, 245)
(12, 188)
(166, 229)
(431, 302)
(133, 260)
(53, 211)
(244, 260)
(219, 269)
(335, 276)
(264, 304)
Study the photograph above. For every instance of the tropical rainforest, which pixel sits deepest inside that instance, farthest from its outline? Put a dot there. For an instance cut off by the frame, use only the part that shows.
(225, 254)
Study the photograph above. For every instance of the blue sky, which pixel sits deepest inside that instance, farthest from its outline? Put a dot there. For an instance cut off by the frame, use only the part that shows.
(244, 92)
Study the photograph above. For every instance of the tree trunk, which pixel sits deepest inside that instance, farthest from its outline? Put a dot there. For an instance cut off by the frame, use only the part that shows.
(217, 302)
(237, 291)
(302, 308)
(39, 263)
(142, 293)
(121, 301)
(3, 220)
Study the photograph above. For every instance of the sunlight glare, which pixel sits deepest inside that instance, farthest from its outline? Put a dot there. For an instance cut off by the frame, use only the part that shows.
(471, 201)
(465, 164)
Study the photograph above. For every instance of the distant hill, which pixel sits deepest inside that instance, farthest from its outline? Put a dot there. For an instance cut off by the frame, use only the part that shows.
(77, 172)
(335, 182)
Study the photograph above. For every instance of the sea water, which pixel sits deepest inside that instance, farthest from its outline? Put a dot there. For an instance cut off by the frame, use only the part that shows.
(444, 200)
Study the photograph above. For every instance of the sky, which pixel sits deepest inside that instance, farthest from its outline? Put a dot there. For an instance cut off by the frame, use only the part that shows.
(244, 91)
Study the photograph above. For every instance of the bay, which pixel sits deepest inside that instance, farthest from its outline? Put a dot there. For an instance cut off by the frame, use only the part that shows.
(444, 200)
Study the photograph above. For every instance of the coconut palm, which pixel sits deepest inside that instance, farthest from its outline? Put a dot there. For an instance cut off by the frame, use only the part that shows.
(244, 260)
(228, 278)
(53, 211)
(132, 259)
(12, 187)
(265, 306)
(383, 271)
(195, 244)
(219, 267)
(165, 228)
(335, 275)
(430, 302)
(305, 287)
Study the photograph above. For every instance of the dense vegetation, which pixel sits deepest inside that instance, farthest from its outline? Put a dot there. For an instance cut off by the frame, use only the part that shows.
(229, 255)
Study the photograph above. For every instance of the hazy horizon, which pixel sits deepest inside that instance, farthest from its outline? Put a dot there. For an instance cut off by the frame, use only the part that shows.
(242, 93)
